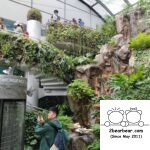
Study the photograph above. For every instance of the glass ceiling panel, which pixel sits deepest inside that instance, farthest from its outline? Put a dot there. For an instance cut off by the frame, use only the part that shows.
(101, 11)
(133, 1)
(115, 6)
(108, 6)
(90, 2)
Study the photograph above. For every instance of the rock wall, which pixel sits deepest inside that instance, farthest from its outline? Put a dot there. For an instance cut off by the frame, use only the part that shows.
(132, 23)
(116, 56)
(111, 59)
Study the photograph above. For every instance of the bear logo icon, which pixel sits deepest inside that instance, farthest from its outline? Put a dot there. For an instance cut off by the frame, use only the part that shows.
(124, 118)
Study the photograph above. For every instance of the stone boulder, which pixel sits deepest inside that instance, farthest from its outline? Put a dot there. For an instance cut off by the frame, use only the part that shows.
(80, 138)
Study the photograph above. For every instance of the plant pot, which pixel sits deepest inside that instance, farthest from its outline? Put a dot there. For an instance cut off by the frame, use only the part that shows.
(34, 29)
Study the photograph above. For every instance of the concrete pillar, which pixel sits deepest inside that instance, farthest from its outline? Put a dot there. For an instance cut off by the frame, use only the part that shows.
(32, 89)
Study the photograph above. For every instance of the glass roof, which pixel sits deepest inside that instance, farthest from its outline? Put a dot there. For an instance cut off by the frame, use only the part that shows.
(108, 7)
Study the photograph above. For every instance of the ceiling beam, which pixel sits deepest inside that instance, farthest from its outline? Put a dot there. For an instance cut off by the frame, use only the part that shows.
(94, 4)
(93, 10)
(127, 2)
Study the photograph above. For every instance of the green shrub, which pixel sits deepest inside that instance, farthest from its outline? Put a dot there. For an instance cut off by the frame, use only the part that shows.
(95, 145)
(30, 122)
(66, 122)
(79, 90)
(134, 86)
(34, 14)
(108, 28)
(82, 40)
(47, 58)
(141, 42)
(96, 129)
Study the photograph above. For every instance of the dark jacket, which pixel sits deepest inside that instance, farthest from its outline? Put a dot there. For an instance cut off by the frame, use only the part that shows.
(47, 133)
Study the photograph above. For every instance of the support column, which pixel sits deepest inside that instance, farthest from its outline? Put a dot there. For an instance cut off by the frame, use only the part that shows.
(32, 88)
(64, 9)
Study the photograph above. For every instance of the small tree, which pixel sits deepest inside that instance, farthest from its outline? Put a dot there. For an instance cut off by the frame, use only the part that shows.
(34, 14)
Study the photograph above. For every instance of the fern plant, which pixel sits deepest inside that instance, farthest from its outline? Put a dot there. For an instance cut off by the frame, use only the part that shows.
(134, 86)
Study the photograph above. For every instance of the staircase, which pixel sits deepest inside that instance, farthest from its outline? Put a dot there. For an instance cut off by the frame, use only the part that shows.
(52, 86)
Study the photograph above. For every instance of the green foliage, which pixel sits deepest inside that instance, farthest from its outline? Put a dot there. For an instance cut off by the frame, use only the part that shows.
(79, 90)
(30, 123)
(83, 39)
(34, 14)
(134, 86)
(142, 58)
(96, 129)
(95, 145)
(66, 122)
(141, 42)
(107, 30)
(47, 58)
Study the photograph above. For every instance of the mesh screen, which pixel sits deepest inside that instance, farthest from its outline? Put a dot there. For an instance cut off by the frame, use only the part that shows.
(12, 126)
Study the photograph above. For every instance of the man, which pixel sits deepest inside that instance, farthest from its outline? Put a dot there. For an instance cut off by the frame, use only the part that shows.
(47, 130)
(80, 22)
(55, 18)
(18, 27)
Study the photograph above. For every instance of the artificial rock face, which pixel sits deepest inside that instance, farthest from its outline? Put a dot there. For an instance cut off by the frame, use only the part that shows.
(132, 23)
(112, 58)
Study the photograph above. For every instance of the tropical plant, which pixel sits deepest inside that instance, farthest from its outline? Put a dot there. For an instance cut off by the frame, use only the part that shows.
(79, 90)
(133, 86)
(34, 14)
(30, 122)
(95, 145)
(141, 42)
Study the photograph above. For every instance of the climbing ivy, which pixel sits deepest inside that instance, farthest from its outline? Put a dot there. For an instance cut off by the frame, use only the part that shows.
(48, 59)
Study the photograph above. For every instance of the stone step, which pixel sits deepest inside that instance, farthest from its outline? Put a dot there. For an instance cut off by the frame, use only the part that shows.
(50, 80)
(55, 93)
(55, 88)
(53, 83)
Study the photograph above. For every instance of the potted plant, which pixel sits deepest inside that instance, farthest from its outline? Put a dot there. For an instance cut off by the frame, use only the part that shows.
(34, 19)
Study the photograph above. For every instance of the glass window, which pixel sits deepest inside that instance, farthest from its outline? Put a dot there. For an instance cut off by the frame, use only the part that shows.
(101, 10)
(133, 1)
(114, 6)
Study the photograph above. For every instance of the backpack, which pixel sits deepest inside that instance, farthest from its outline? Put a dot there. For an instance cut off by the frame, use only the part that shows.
(61, 139)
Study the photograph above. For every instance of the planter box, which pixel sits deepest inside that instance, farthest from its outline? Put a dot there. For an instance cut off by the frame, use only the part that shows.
(34, 29)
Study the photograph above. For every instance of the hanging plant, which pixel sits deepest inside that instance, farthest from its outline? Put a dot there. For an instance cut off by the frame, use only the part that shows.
(47, 58)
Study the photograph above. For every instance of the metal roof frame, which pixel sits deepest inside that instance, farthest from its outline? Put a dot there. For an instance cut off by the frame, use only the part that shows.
(99, 2)
(93, 9)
